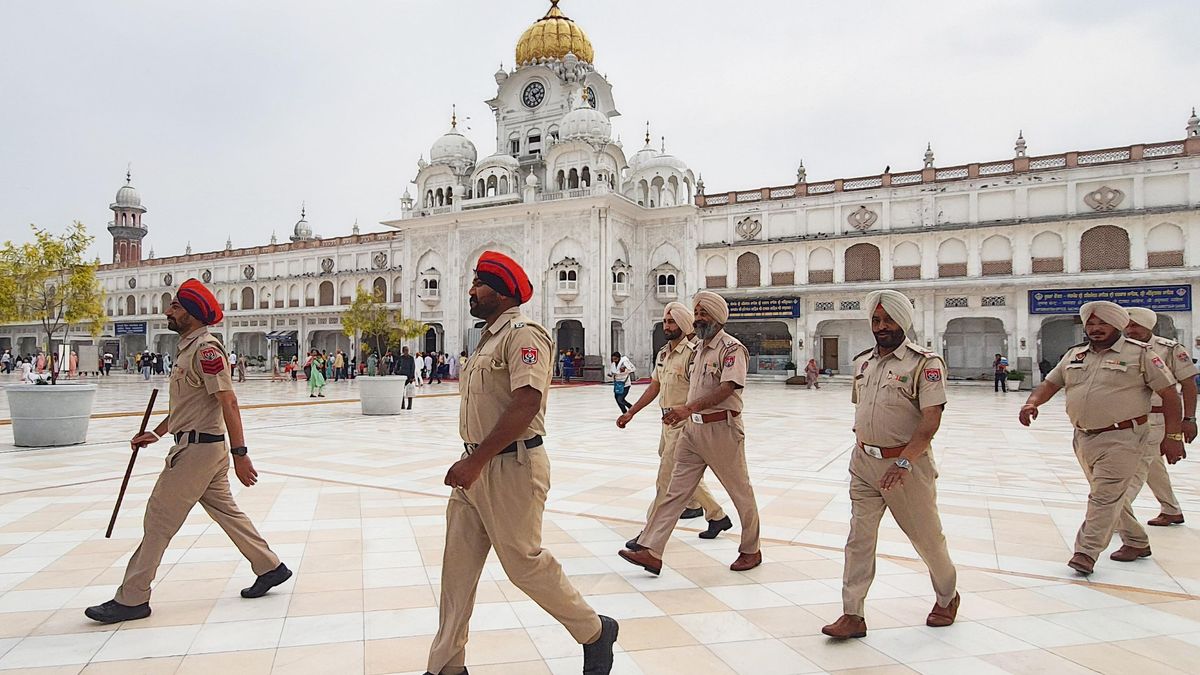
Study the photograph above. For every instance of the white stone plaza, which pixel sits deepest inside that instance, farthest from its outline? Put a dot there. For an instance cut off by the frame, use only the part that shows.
(355, 505)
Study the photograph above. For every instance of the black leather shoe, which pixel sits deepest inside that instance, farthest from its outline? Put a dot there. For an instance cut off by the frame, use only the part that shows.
(598, 656)
(632, 544)
(266, 582)
(114, 612)
(716, 527)
(688, 514)
(464, 672)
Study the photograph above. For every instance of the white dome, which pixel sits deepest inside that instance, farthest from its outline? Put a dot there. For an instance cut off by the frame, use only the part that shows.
(662, 161)
(453, 148)
(585, 123)
(302, 230)
(128, 196)
(642, 156)
(501, 160)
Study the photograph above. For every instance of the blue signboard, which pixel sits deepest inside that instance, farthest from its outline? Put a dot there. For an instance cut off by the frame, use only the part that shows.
(764, 308)
(1069, 300)
(129, 328)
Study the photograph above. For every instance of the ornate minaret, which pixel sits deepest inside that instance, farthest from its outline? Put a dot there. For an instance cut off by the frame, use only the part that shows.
(127, 228)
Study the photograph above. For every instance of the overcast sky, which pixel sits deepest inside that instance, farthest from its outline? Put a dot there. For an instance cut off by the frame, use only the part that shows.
(232, 113)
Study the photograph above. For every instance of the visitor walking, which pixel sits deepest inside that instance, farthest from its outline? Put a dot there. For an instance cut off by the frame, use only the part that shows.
(811, 373)
(1000, 366)
(622, 372)
(315, 369)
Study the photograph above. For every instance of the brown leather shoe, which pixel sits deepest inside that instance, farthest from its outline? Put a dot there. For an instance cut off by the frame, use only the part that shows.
(940, 617)
(1165, 519)
(746, 562)
(1129, 553)
(1082, 563)
(847, 626)
(643, 559)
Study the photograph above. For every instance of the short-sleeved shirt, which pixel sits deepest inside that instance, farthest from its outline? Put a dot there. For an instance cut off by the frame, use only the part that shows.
(1110, 386)
(671, 367)
(890, 391)
(201, 370)
(722, 358)
(1177, 359)
(512, 353)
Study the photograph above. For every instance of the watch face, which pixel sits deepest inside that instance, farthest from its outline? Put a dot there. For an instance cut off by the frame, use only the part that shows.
(591, 96)
(533, 95)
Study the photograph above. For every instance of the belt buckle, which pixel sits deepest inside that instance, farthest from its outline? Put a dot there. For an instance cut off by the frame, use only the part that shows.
(698, 418)
(873, 450)
(471, 447)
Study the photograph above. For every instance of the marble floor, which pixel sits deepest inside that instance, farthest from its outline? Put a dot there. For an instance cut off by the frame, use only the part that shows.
(355, 505)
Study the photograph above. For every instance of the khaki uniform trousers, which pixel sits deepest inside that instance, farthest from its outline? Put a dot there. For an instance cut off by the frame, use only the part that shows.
(914, 507)
(1128, 528)
(720, 446)
(503, 510)
(1110, 461)
(1160, 485)
(196, 472)
(701, 498)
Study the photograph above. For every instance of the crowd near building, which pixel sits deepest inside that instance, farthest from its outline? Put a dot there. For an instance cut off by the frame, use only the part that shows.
(997, 255)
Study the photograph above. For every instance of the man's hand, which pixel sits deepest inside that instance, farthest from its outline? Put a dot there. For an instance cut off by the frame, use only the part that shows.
(244, 469)
(677, 414)
(1172, 450)
(624, 419)
(892, 478)
(142, 440)
(1189, 431)
(1029, 412)
(464, 473)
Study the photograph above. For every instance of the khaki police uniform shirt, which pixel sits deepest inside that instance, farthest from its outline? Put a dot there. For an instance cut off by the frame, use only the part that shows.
(723, 358)
(512, 353)
(1177, 359)
(671, 368)
(1108, 387)
(201, 370)
(890, 391)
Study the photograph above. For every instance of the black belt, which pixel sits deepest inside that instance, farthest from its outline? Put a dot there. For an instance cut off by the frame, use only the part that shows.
(534, 442)
(199, 437)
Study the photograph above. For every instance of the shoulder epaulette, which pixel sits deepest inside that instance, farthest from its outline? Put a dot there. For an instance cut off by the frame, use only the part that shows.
(1167, 342)
(1139, 343)
(863, 353)
(518, 324)
(1081, 344)
(921, 350)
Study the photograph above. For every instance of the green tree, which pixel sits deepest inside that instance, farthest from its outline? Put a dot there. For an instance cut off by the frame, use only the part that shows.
(50, 282)
(378, 324)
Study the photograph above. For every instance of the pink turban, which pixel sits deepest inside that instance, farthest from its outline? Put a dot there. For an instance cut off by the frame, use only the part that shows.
(714, 304)
(681, 315)
(1109, 312)
(1143, 317)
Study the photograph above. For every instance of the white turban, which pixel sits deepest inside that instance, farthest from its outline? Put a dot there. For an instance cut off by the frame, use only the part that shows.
(681, 315)
(1142, 317)
(1109, 312)
(714, 304)
(896, 304)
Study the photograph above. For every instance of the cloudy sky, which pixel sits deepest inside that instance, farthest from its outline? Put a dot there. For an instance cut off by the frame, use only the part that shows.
(232, 113)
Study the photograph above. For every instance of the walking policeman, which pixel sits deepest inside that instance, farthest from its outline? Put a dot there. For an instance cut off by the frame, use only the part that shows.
(1152, 470)
(1109, 380)
(713, 437)
(669, 379)
(899, 393)
(500, 484)
(203, 408)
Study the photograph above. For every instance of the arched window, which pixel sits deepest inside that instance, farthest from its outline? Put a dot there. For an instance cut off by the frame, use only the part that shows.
(379, 289)
(1047, 253)
(666, 284)
(1164, 246)
(820, 266)
(572, 179)
(783, 269)
(130, 305)
(247, 298)
(449, 196)
(166, 302)
(503, 185)
(440, 197)
(568, 280)
(952, 258)
(1104, 247)
(748, 270)
(480, 189)
(862, 262)
(428, 199)
(325, 294)
(561, 181)
(906, 261)
(585, 178)
(429, 287)
(996, 254)
(715, 272)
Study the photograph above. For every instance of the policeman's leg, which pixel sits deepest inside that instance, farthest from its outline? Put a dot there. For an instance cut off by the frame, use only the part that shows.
(702, 498)
(866, 508)
(914, 506)
(466, 551)
(724, 448)
(218, 501)
(1129, 529)
(1160, 484)
(511, 504)
(689, 471)
(175, 493)
(1110, 460)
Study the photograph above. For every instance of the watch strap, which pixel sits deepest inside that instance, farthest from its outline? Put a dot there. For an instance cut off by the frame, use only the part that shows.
(239, 451)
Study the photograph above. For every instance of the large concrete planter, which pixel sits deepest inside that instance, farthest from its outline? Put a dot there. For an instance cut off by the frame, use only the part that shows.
(381, 395)
(50, 415)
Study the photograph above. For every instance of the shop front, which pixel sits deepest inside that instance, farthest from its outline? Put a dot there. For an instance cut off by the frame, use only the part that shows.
(768, 327)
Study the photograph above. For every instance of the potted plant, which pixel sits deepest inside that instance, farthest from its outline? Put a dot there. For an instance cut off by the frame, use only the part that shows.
(1016, 380)
(47, 281)
(790, 367)
(370, 317)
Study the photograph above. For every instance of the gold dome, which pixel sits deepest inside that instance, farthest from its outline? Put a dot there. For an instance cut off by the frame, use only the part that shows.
(552, 37)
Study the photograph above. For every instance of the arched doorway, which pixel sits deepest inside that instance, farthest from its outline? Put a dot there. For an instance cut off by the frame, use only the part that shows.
(768, 342)
(569, 335)
(837, 341)
(1057, 336)
(971, 344)
(432, 341)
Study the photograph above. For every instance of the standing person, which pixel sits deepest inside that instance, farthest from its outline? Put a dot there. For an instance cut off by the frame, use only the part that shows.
(167, 363)
(73, 365)
(241, 370)
(453, 366)
(622, 372)
(427, 373)
(410, 390)
(1000, 368)
(436, 369)
(145, 365)
(295, 366)
(40, 363)
(419, 369)
(500, 484)
(407, 366)
(568, 366)
(1108, 403)
(713, 437)
(372, 365)
(276, 373)
(27, 371)
(462, 363)
(339, 365)
(155, 364)
(108, 362)
(811, 373)
(1153, 472)
(316, 374)
(233, 360)
(6, 361)
(670, 378)
(203, 409)
(899, 393)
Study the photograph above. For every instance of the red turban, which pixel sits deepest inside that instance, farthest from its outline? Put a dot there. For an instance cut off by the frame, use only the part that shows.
(199, 302)
(504, 276)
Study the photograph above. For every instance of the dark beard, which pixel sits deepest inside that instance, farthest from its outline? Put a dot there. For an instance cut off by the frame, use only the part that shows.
(673, 335)
(172, 325)
(890, 340)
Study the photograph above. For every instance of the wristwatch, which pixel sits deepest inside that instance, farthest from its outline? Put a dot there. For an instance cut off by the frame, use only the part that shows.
(904, 464)
(1174, 437)
(239, 451)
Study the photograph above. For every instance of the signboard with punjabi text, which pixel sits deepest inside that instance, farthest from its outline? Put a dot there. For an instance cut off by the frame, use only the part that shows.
(1176, 298)
(763, 308)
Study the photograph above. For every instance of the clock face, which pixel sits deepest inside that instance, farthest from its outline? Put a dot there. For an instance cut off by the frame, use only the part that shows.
(591, 96)
(533, 95)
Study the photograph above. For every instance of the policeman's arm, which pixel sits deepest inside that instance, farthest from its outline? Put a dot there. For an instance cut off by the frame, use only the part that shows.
(1188, 392)
(233, 417)
(931, 420)
(1172, 409)
(646, 398)
(526, 402)
(1042, 393)
(722, 392)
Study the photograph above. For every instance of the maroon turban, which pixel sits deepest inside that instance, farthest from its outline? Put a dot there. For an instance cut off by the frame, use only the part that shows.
(503, 275)
(199, 302)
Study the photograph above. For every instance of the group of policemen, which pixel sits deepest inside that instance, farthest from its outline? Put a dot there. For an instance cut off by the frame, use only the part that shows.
(500, 483)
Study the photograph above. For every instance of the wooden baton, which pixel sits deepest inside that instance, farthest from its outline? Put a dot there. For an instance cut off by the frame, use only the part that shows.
(129, 469)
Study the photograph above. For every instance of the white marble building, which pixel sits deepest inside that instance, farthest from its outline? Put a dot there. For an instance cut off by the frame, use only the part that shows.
(610, 239)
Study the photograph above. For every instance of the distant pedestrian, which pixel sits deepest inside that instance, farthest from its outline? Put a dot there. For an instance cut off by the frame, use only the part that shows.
(811, 373)
(316, 374)
(1000, 367)
(622, 372)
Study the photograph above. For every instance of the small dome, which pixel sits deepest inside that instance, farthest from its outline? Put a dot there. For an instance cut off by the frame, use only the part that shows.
(302, 230)
(499, 159)
(585, 123)
(641, 157)
(453, 147)
(128, 196)
(553, 37)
